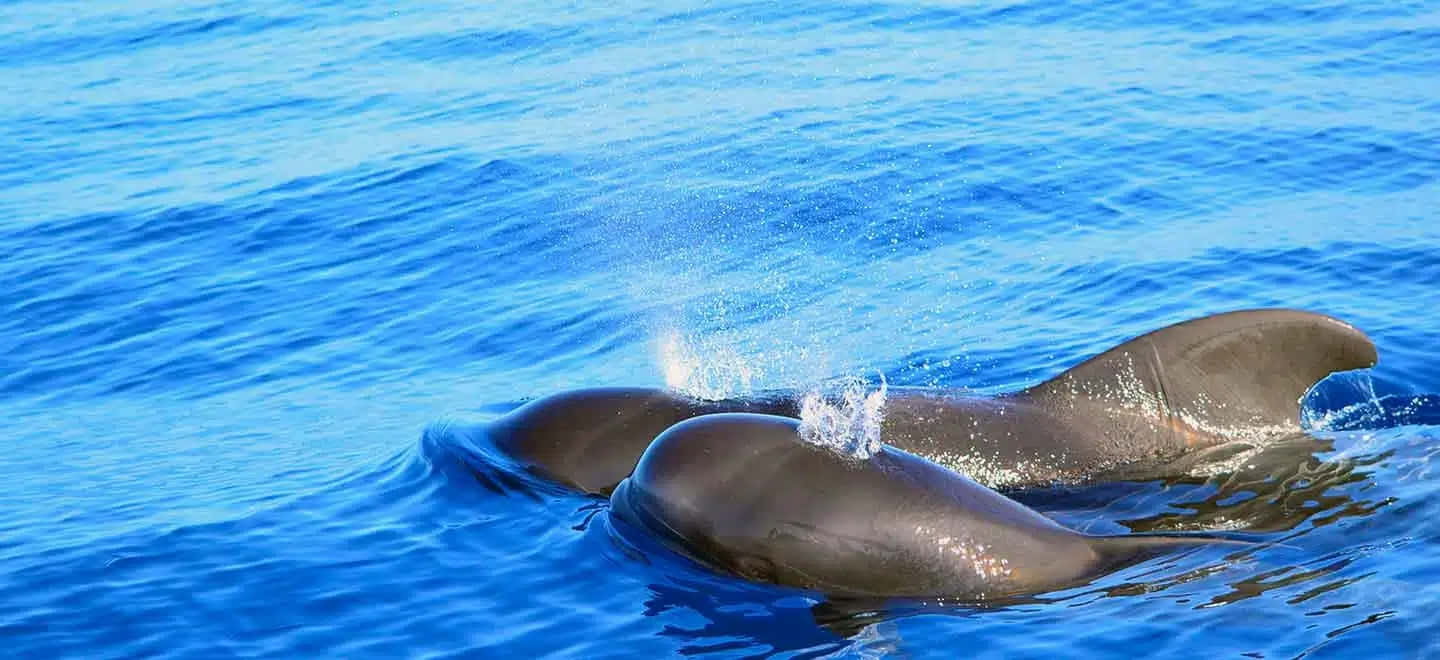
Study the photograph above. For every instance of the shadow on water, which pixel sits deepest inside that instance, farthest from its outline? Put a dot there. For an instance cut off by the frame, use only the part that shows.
(1270, 489)
(1277, 489)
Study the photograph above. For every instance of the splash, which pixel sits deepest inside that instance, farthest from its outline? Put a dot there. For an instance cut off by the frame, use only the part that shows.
(711, 371)
(848, 423)
(1369, 410)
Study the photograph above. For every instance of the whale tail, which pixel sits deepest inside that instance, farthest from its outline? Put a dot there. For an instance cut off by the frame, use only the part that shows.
(1237, 370)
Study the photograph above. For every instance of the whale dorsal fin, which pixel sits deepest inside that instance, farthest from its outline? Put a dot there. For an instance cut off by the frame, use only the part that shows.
(1240, 369)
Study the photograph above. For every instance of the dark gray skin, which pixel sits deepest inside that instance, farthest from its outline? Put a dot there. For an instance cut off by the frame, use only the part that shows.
(591, 439)
(744, 493)
(1132, 411)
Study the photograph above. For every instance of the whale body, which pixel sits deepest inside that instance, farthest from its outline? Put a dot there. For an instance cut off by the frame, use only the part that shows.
(1132, 410)
(745, 494)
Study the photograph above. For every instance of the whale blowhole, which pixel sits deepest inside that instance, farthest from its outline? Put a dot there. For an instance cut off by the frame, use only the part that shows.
(845, 417)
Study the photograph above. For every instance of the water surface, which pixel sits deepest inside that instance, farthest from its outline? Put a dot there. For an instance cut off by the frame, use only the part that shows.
(264, 267)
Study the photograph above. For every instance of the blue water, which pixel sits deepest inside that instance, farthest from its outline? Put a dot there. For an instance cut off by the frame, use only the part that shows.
(265, 266)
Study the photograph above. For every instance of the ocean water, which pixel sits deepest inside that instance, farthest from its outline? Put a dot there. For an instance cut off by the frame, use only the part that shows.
(267, 267)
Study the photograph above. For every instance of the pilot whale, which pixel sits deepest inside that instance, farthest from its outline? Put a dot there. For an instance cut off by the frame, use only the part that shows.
(1132, 410)
(745, 493)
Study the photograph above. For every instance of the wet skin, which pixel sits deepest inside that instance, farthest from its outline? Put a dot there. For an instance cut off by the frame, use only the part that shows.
(1134, 410)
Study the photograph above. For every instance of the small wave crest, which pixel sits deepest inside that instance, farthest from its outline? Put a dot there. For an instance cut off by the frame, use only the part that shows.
(1358, 402)
(463, 454)
(1380, 412)
(845, 416)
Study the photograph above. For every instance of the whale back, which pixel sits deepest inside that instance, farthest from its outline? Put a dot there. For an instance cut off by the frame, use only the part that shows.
(590, 439)
(1134, 408)
(745, 494)
(1236, 370)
